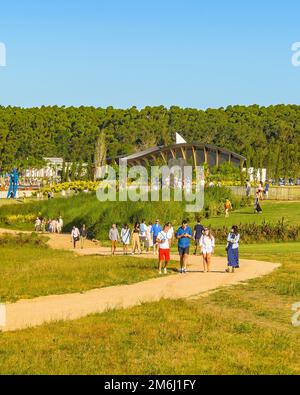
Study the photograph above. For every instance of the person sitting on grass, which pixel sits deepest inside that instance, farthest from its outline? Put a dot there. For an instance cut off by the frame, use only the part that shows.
(207, 244)
(114, 237)
(164, 249)
(233, 249)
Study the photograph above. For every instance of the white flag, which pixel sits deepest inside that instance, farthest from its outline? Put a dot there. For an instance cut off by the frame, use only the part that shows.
(180, 139)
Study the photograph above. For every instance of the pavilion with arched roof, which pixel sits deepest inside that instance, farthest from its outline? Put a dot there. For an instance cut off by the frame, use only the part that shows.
(195, 154)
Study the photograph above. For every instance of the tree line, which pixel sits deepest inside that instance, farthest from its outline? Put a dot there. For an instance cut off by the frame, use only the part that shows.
(268, 136)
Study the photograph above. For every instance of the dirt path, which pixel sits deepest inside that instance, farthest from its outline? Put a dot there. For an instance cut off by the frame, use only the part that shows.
(30, 313)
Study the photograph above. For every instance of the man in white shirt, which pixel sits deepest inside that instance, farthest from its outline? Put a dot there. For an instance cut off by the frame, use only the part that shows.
(164, 249)
(75, 236)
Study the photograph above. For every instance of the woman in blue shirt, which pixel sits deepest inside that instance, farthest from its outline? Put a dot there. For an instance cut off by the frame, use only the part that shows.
(233, 249)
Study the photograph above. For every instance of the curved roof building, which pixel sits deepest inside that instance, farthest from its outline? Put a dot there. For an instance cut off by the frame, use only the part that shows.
(194, 153)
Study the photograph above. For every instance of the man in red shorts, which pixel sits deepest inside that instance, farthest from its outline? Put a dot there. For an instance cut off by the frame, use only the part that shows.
(164, 249)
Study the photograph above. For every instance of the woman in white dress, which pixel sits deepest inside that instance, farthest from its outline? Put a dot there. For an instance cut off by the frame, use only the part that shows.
(207, 245)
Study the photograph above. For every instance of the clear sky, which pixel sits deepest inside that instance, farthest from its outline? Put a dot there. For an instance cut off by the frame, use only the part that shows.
(124, 53)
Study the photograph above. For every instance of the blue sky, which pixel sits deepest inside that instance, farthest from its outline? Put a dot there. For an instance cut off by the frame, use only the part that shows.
(125, 53)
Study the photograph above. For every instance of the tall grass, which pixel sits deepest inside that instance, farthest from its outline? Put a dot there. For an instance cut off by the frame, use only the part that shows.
(265, 232)
(98, 216)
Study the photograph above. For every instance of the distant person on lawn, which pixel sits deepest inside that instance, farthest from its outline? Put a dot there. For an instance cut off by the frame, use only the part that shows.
(125, 238)
(83, 235)
(261, 191)
(267, 189)
(164, 249)
(75, 236)
(207, 244)
(257, 206)
(184, 236)
(114, 237)
(233, 249)
(228, 207)
(198, 232)
(248, 188)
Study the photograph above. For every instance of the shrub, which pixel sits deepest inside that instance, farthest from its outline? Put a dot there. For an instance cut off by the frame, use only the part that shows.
(98, 216)
(23, 239)
(262, 232)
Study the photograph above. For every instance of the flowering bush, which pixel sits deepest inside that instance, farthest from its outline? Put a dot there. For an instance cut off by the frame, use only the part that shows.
(17, 219)
(73, 186)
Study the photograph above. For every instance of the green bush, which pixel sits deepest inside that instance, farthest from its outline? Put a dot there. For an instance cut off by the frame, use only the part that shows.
(23, 239)
(262, 232)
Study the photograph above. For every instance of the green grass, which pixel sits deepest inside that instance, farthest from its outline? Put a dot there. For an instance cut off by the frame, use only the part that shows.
(10, 202)
(273, 212)
(99, 216)
(245, 329)
(29, 271)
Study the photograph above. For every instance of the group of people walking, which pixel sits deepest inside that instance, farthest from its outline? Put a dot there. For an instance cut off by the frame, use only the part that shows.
(79, 235)
(51, 226)
(143, 237)
(160, 239)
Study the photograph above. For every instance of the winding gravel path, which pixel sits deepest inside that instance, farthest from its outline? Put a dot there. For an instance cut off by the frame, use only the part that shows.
(35, 312)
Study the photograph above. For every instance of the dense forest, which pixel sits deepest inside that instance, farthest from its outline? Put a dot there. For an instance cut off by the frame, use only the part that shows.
(267, 136)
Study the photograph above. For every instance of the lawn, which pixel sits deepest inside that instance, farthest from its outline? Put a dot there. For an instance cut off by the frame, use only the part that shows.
(245, 329)
(29, 271)
(273, 212)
